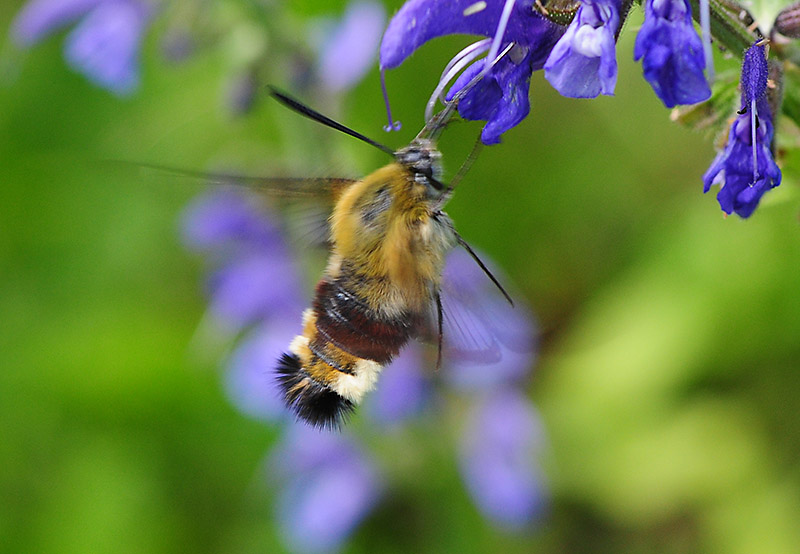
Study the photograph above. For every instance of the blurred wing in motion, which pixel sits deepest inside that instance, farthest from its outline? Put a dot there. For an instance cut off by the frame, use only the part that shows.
(485, 339)
(324, 188)
(305, 202)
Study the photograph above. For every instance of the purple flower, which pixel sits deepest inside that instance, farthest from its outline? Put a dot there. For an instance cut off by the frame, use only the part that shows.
(672, 53)
(746, 168)
(104, 45)
(498, 458)
(327, 486)
(348, 50)
(583, 63)
(501, 97)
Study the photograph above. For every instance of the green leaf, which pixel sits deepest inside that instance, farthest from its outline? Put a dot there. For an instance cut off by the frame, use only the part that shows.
(728, 30)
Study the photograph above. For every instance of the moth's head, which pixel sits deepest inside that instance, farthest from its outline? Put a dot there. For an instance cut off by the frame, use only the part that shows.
(424, 162)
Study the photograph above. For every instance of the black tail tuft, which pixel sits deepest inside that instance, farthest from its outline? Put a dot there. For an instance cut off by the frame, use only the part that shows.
(311, 401)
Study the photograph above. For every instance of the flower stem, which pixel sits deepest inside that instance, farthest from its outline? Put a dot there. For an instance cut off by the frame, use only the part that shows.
(729, 32)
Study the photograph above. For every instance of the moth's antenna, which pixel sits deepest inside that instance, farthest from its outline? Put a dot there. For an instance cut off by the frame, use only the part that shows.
(485, 269)
(310, 113)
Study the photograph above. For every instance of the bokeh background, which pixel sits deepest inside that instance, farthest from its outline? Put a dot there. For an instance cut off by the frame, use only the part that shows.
(670, 336)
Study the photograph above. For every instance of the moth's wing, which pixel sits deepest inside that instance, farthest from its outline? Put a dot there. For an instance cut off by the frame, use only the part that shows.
(484, 337)
(324, 188)
(305, 202)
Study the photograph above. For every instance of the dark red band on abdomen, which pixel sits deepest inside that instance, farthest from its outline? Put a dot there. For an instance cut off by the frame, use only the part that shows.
(355, 327)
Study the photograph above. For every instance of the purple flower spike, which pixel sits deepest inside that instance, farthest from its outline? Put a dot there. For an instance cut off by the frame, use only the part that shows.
(328, 487)
(583, 63)
(746, 168)
(349, 50)
(501, 98)
(498, 459)
(672, 53)
(755, 73)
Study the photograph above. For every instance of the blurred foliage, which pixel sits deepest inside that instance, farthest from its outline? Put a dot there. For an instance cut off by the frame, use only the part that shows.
(671, 336)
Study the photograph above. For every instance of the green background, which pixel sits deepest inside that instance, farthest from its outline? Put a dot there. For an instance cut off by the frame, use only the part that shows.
(667, 379)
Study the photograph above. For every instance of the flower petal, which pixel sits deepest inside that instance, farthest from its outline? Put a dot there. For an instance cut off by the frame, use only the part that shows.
(39, 18)
(255, 287)
(419, 21)
(501, 97)
(672, 53)
(105, 45)
(583, 63)
(349, 51)
(745, 170)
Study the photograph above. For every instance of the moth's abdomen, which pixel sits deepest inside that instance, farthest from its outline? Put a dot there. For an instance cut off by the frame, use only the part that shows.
(348, 321)
(313, 402)
(344, 346)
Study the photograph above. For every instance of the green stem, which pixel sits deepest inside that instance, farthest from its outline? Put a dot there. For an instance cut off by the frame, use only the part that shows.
(726, 28)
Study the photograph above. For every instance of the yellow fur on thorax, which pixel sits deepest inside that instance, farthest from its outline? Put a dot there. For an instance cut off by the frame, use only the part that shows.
(406, 254)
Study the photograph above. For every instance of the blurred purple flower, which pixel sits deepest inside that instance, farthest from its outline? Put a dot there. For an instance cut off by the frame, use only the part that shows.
(498, 458)
(402, 390)
(746, 168)
(325, 485)
(501, 98)
(250, 378)
(259, 280)
(260, 286)
(39, 18)
(104, 45)
(584, 62)
(225, 217)
(349, 48)
(672, 53)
